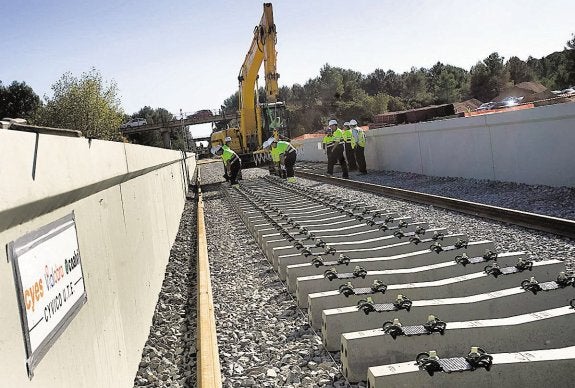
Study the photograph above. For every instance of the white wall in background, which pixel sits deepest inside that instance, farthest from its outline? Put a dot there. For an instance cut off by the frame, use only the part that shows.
(533, 146)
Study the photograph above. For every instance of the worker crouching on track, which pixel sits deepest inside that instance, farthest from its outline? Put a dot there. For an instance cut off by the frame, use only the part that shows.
(284, 153)
(232, 163)
(337, 153)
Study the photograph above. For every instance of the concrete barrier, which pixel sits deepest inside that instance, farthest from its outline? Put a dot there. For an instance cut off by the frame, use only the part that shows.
(532, 146)
(127, 200)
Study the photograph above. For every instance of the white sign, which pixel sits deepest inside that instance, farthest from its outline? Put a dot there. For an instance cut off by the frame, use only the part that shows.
(49, 282)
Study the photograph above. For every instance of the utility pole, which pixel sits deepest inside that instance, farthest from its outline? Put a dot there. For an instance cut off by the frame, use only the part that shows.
(185, 138)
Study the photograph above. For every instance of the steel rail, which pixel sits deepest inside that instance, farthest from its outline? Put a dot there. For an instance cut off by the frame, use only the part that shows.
(208, 370)
(558, 226)
(275, 226)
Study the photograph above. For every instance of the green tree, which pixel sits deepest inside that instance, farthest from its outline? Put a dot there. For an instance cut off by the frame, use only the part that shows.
(330, 84)
(150, 138)
(571, 43)
(381, 81)
(298, 95)
(480, 86)
(360, 108)
(352, 85)
(232, 103)
(18, 101)
(311, 95)
(395, 104)
(416, 88)
(393, 84)
(446, 89)
(551, 70)
(570, 63)
(374, 82)
(86, 103)
(447, 83)
(285, 94)
(380, 103)
(152, 116)
(519, 71)
(488, 78)
(534, 65)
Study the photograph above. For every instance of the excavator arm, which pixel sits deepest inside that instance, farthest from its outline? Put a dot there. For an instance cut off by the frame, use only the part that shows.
(262, 49)
(257, 121)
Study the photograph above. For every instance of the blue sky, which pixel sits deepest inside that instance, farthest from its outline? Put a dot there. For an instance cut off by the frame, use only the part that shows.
(187, 54)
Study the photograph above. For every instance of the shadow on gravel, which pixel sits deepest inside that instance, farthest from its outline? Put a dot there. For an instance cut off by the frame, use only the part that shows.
(189, 326)
(169, 356)
(206, 188)
(213, 191)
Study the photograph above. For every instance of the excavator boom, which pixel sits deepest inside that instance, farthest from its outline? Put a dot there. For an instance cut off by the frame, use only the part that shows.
(257, 121)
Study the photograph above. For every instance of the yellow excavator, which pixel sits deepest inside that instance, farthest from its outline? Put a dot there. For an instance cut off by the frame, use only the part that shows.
(257, 120)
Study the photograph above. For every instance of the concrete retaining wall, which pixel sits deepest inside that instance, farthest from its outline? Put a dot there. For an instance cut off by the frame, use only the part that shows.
(127, 201)
(533, 146)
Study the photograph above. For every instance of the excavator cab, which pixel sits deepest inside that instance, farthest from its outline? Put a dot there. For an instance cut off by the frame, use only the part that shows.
(274, 121)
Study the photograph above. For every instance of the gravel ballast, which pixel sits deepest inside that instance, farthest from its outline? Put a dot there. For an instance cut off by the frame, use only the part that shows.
(540, 199)
(553, 201)
(264, 339)
(169, 356)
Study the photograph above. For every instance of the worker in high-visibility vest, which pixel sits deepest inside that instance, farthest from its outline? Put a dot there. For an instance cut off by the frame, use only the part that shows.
(327, 142)
(337, 153)
(286, 154)
(349, 145)
(232, 163)
(359, 137)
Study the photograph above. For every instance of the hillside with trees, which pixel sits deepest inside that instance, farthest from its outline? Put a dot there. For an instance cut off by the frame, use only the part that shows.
(91, 104)
(344, 93)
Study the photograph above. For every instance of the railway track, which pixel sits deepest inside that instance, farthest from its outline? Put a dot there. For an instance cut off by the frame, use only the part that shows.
(555, 225)
(383, 289)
